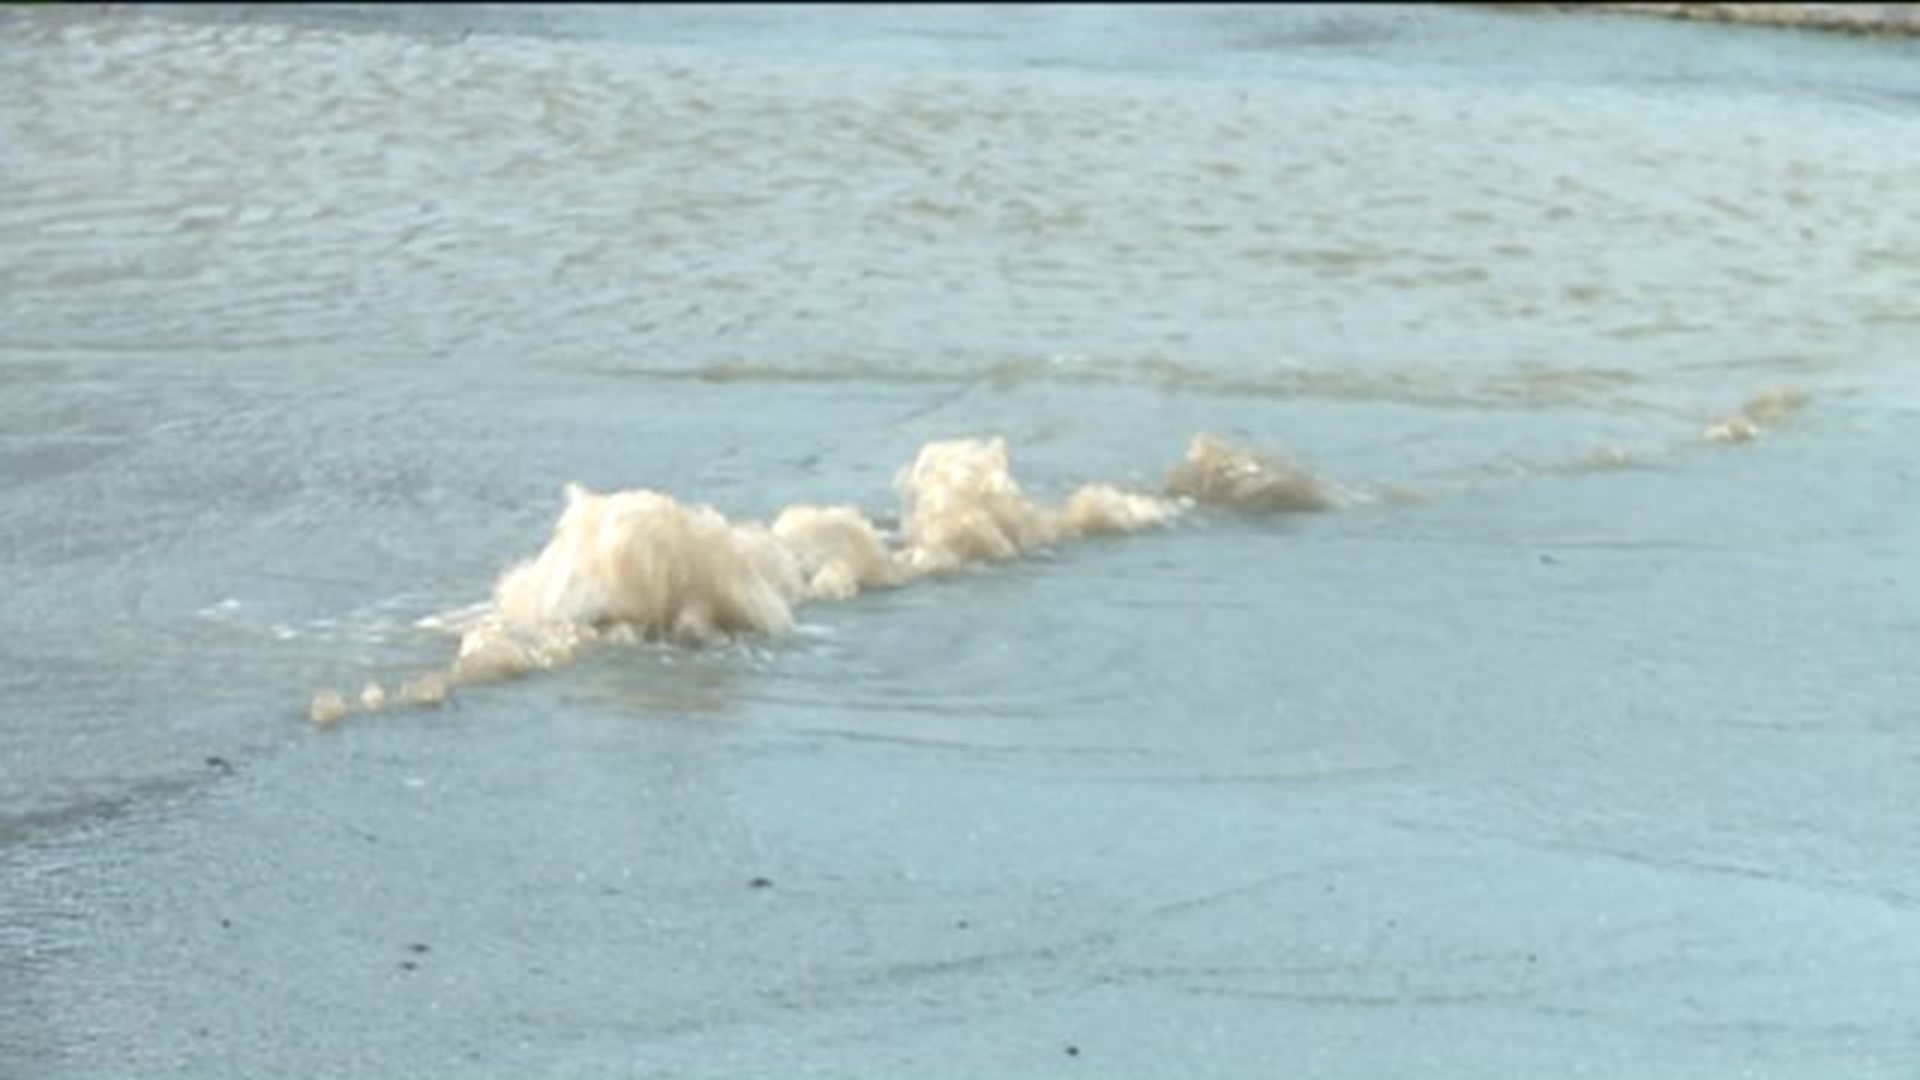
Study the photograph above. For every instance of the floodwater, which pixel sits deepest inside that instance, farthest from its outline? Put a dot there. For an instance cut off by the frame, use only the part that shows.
(1571, 733)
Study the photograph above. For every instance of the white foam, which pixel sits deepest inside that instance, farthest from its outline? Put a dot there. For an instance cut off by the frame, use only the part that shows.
(328, 707)
(1223, 473)
(837, 550)
(1768, 409)
(640, 565)
(960, 505)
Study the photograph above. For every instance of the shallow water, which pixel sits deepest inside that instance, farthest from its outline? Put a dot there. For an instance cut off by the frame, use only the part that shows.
(1573, 739)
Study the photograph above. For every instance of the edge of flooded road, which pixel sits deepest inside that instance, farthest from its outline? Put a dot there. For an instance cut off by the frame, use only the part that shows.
(1874, 20)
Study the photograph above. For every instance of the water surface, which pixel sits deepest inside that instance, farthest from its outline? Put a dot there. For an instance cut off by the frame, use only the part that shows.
(1592, 759)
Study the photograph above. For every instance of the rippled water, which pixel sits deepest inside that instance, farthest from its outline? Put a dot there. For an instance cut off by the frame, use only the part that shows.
(1579, 744)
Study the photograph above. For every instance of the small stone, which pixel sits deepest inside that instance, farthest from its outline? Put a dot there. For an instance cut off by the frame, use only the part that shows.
(1073, 1051)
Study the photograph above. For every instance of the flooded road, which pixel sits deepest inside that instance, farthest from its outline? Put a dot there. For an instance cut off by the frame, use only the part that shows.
(1572, 735)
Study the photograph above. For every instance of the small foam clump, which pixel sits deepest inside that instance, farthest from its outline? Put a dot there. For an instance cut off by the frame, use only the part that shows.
(837, 550)
(425, 691)
(328, 707)
(1768, 409)
(960, 505)
(1222, 473)
(1100, 509)
(669, 571)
